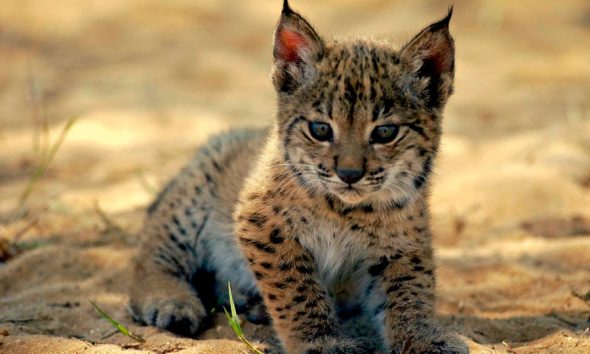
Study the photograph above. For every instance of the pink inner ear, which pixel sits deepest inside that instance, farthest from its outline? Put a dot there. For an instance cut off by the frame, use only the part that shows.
(442, 58)
(291, 44)
(441, 61)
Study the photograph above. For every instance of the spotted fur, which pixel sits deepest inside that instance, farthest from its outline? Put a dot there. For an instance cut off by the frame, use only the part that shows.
(322, 223)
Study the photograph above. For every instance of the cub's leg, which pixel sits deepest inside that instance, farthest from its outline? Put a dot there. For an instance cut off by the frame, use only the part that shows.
(302, 312)
(161, 294)
(402, 298)
(189, 232)
(195, 250)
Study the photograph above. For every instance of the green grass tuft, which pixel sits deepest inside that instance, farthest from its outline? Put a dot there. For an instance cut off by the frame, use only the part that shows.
(117, 325)
(234, 322)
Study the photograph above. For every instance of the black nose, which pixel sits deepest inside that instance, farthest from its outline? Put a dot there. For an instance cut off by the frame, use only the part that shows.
(350, 175)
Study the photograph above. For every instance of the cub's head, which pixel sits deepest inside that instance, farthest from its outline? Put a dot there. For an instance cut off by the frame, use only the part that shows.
(359, 120)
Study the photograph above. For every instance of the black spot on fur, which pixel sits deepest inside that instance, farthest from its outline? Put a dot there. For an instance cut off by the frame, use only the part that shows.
(200, 229)
(172, 266)
(292, 124)
(217, 166)
(421, 179)
(330, 103)
(258, 219)
(287, 84)
(364, 208)
(275, 236)
(398, 204)
(418, 129)
(259, 245)
(311, 304)
(280, 285)
(317, 105)
(176, 221)
(305, 269)
(285, 266)
(378, 268)
(394, 288)
(404, 278)
(330, 202)
(350, 95)
(299, 299)
(152, 208)
(301, 288)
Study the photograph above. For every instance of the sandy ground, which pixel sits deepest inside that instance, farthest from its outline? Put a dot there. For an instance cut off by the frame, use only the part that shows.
(150, 80)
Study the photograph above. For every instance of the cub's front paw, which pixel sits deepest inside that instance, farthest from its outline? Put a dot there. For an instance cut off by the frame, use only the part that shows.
(333, 345)
(182, 316)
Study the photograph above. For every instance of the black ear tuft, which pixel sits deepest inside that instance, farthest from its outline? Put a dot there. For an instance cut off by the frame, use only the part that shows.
(444, 23)
(431, 54)
(286, 7)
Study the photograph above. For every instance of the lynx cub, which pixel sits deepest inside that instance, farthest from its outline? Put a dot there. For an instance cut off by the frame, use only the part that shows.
(324, 212)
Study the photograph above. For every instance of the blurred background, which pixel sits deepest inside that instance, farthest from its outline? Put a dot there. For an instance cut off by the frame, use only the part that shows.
(102, 101)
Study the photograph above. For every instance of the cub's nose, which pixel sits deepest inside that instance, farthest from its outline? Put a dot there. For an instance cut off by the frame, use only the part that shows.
(350, 175)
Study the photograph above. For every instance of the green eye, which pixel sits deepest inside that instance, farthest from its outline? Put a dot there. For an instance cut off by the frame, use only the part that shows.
(384, 134)
(320, 131)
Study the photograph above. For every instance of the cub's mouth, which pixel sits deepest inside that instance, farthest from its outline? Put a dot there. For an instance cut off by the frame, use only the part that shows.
(350, 194)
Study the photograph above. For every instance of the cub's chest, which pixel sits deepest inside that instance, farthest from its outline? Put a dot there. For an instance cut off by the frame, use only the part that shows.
(338, 252)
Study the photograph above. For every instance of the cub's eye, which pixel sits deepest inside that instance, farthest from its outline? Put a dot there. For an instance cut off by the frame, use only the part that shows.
(384, 134)
(320, 131)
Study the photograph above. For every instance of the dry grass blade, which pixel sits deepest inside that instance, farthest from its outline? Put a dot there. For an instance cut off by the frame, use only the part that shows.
(117, 325)
(110, 225)
(21, 233)
(9, 247)
(43, 163)
(581, 336)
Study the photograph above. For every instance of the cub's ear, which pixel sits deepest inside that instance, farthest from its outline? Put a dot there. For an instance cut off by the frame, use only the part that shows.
(297, 47)
(431, 55)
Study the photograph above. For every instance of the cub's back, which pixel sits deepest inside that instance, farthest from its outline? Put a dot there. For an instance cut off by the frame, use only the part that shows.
(212, 178)
(228, 159)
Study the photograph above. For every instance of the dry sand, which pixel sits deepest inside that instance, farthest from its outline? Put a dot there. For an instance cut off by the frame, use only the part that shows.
(150, 80)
